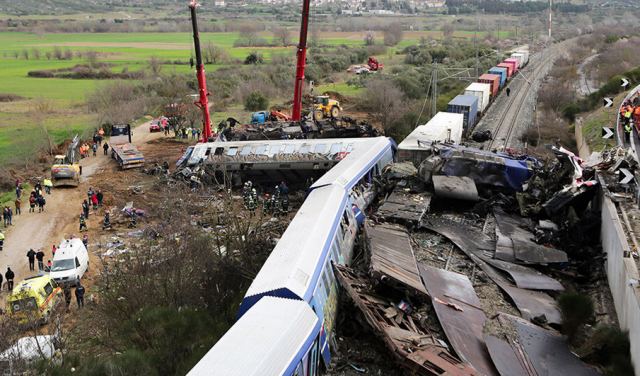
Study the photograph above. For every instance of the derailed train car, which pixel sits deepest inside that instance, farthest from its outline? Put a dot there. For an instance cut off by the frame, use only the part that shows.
(298, 278)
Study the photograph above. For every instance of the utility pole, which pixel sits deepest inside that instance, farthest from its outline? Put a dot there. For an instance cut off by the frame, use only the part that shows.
(434, 89)
(475, 44)
(550, 6)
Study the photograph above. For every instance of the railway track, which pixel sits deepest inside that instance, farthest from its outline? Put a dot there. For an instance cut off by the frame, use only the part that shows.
(503, 133)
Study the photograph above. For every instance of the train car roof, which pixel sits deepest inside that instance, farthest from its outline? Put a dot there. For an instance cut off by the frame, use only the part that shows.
(268, 341)
(355, 165)
(294, 263)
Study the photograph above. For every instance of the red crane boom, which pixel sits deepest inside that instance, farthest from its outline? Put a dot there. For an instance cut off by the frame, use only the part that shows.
(203, 101)
(301, 61)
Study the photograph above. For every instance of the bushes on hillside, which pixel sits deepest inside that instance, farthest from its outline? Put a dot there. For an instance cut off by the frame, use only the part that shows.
(256, 102)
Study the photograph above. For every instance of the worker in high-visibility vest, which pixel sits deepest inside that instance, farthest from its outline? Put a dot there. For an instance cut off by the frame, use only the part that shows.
(47, 185)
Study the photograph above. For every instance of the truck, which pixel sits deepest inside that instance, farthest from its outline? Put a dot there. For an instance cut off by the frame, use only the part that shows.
(122, 149)
(66, 169)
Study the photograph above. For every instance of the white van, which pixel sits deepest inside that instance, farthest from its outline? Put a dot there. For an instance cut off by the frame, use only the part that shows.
(70, 262)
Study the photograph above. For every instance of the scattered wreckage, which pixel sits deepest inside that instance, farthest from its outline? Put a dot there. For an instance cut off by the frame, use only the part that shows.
(431, 318)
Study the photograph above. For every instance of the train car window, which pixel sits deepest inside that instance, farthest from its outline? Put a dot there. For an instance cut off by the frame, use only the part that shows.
(245, 150)
(305, 149)
(313, 359)
(345, 216)
(335, 250)
(335, 148)
(232, 151)
(299, 370)
(208, 152)
(219, 151)
(261, 149)
(325, 280)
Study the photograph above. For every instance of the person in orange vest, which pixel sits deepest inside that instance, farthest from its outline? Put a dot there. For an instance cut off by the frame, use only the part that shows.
(636, 115)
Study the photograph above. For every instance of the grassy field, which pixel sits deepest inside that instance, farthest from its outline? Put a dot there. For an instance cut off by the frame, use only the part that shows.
(22, 128)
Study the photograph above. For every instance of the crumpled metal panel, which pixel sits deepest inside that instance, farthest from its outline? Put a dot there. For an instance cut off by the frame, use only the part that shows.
(413, 346)
(459, 313)
(548, 352)
(526, 278)
(403, 206)
(508, 360)
(524, 248)
(456, 187)
(470, 241)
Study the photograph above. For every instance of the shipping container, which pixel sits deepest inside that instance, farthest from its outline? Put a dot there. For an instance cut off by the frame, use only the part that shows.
(509, 68)
(493, 80)
(444, 127)
(525, 54)
(500, 71)
(514, 62)
(482, 92)
(466, 105)
(521, 59)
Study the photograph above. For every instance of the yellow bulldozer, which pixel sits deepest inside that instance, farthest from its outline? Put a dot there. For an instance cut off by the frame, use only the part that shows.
(66, 168)
(325, 107)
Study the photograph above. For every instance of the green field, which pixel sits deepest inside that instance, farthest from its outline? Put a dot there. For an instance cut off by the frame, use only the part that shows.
(22, 127)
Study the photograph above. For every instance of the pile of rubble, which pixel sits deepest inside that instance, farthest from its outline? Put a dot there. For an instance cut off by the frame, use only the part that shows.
(467, 253)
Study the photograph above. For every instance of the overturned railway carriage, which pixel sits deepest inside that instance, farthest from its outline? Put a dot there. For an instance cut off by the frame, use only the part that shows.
(299, 273)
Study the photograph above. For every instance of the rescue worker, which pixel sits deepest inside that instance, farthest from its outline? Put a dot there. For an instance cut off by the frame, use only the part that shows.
(18, 204)
(80, 294)
(1, 241)
(40, 258)
(105, 148)
(47, 185)
(627, 132)
(31, 255)
(106, 223)
(100, 197)
(67, 296)
(508, 91)
(9, 275)
(83, 223)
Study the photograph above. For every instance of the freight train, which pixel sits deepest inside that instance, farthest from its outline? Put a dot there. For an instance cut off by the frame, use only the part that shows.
(476, 99)
(287, 318)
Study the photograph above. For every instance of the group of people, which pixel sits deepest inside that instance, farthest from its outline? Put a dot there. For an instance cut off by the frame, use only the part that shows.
(276, 203)
(94, 199)
(630, 115)
(79, 295)
(33, 256)
(87, 148)
(186, 132)
(36, 198)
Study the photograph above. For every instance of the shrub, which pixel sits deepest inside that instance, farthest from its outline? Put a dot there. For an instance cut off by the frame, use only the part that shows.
(256, 102)
(577, 310)
(254, 58)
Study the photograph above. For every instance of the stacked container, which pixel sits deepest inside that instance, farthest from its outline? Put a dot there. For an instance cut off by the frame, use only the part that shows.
(508, 67)
(514, 62)
(522, 59)
(493, 80)
(482, 92)
(466, 105)
(502, 72)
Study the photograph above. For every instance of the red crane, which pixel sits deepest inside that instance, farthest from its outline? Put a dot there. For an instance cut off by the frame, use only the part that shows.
(203, 102)
(301, 54)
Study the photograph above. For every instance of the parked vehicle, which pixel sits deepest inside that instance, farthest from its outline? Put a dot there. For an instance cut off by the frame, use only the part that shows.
(325, 107)
(33, 299)
(70, 262)
(122, 149)
(66, 168)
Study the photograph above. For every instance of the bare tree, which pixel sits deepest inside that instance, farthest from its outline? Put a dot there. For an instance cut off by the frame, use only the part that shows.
(282, 36)
(214, 54)
(48, 55)
(57, 53)
(155, 65)
(369, 38)
(25, 54)
(249, 34)
(383, 100)
(35, 53)
(68, 54)
(393, 34)
(447, 30)
(92, 58)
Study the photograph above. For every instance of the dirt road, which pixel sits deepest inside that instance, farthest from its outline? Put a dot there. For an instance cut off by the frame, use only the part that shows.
(60, 218)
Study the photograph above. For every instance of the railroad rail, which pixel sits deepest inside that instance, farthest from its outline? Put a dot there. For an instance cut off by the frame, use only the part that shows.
(507, 122)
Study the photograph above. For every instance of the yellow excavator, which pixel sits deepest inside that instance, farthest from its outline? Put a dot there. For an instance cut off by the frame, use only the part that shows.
(66, 169)
(325, 107)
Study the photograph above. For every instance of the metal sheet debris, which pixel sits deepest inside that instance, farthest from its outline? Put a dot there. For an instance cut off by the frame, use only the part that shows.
(525, 250)
(526, 278)
(392, 255)
(456, 187)
(405, 207)
(471, 242)
(508, 358)
(458, 309)
(413, 345)
(548, 352)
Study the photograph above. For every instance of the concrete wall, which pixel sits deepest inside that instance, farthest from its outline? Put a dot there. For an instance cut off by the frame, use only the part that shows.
(583, 147)
(620, 270)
